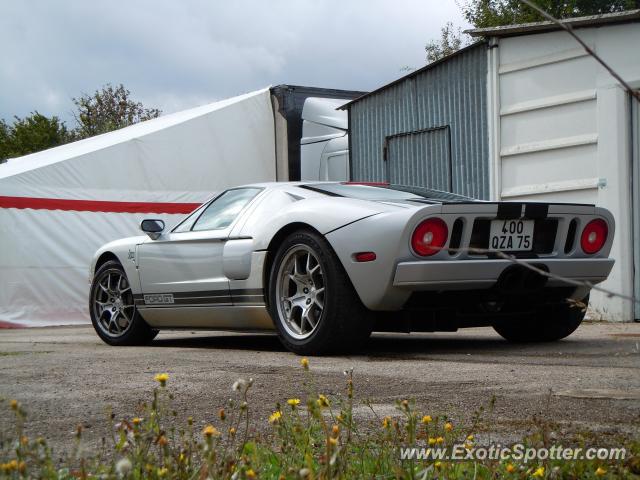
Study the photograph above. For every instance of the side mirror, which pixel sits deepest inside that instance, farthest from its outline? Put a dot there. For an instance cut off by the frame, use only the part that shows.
(152, 227)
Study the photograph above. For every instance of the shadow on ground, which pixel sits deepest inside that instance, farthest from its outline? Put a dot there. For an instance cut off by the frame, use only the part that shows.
(378, 345)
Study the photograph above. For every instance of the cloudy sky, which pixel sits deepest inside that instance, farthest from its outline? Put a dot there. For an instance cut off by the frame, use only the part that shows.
(179, 54)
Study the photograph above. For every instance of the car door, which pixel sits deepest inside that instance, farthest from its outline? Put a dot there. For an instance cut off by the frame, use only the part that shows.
(184, 267)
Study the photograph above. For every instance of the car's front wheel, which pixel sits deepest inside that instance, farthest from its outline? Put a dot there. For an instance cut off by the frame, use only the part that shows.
(545, 326)
(311, 299)
(112, 309)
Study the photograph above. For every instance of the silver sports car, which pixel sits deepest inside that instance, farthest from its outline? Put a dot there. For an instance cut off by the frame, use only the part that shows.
(325, 264)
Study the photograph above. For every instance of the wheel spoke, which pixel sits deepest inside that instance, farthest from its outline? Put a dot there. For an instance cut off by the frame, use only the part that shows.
(304, 318)
(126, 317)
(308, 265)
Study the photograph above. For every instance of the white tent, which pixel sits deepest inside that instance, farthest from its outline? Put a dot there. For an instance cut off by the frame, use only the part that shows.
(58, 206)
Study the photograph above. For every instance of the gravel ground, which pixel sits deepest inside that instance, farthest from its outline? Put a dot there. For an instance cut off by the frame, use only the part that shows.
(65, 376)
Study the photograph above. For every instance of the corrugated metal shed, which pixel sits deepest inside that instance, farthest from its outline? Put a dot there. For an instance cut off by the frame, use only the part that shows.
(428, 128)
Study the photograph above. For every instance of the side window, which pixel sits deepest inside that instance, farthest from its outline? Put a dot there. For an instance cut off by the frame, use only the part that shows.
(186, 224)
(223, 210)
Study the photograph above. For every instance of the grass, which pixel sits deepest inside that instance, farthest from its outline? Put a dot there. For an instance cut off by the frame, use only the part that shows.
(309, 436)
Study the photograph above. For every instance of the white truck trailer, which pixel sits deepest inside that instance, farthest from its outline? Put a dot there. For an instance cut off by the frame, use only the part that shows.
(59, 205)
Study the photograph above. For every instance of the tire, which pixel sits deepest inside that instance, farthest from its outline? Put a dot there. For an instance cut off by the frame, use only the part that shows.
(312, 302)
(544, 326)
(113, 313)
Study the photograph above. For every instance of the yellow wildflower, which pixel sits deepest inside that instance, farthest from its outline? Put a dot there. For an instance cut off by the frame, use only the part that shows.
(539, 473)
(232, 431)
(510, 468)
(448, 427)
(136, 420)
(439, 440)
(470, 438)
(437, 464)
(14, 404)
(162, 440)
(322, 401)
(432, 441)
(275, 416)
(386, 421)
(335, 430)
(162, 471)
(405, 404)
(210, 431)
(293, 402)
(305, 363)
(161, 378)
(427, 419)
(468, 445)
(333, 441)
(339, 418)
(600, 471)
(222, 414)
(12, 465)
(22, 467)
(250, 473)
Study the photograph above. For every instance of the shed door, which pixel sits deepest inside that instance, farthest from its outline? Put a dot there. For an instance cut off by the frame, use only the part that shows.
(635, 204)
(420, 159)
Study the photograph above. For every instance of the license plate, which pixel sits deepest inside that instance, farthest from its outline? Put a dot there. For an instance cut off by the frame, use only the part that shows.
(511, 235)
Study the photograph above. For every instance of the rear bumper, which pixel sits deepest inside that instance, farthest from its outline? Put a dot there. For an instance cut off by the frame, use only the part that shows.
(472, 274)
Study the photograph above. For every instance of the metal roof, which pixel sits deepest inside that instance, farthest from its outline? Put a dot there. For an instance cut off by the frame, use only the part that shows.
(413, 74)
(547, 26)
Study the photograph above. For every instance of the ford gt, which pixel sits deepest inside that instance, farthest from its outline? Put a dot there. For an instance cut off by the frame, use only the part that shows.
(325, 264)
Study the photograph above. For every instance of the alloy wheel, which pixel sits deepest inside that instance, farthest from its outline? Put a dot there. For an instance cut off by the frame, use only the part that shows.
(300, 291)
(113, 303)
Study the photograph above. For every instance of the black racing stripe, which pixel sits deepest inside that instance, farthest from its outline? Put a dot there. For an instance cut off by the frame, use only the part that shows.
(200, 301)
(247, 291)
(201, 293)
(509, 210)
(536, 210)
(248, 299)
(212, 297)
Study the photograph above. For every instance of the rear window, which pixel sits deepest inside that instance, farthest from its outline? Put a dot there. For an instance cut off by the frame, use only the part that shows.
(384, 192)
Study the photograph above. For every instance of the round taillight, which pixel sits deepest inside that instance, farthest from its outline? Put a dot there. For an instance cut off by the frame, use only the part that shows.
(429, 237)
(594, 236)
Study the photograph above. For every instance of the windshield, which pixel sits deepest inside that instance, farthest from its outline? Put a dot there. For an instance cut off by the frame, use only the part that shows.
(384, 192)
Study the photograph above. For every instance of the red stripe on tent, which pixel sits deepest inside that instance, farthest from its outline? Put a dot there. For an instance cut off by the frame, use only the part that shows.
(8, 325)
(95, 205)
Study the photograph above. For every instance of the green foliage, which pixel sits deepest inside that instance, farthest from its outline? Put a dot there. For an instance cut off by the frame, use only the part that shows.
(32, 134)
(313, 438)
(450, 41)
(108, 109)
(494, 13)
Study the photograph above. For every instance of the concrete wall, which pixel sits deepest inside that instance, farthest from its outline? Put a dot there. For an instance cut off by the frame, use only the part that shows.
(560, 130)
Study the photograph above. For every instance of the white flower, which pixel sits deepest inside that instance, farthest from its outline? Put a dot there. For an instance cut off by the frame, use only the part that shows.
(239, 385)
(123, 467)
(304, 473)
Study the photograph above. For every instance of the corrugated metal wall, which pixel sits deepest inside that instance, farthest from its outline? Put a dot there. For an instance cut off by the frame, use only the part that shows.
(446, 105)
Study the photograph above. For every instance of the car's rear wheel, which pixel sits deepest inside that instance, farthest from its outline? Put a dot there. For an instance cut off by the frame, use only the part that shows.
(545, 326)
(311, 300)
(112, 309)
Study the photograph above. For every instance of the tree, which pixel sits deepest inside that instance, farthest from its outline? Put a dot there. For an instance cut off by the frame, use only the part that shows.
(31, 134)
(109, 108)
(451, 40)
(494, 13)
